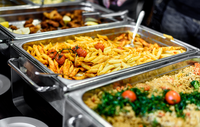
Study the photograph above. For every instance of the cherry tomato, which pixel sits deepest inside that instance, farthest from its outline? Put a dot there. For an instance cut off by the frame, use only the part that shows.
(52, 53)
(130, 95)
(116, 84)
(172, 97)
(60, 58)
(81, 52)
(75, 48)
(120, 48)
(99, 46)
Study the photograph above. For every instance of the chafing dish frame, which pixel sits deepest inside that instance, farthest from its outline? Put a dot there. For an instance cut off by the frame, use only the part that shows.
(76, 97)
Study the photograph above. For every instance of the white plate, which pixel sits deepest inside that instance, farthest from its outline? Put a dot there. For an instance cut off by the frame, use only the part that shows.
(4, 84)
(21, 122)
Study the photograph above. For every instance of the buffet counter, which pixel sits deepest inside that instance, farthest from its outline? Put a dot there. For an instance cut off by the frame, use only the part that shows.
(69, 70)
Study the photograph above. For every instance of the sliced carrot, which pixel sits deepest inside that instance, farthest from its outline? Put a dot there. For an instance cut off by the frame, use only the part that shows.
(165, 87)
(116, 84)
(187, 114)
(179, 85)
(161, 114)
(147, 88)
(128, 85)
(197, 65)
(118, 88)
(122, 87)
(197, 68)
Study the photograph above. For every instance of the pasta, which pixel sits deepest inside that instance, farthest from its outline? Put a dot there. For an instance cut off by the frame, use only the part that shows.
(91, 57)
(150, 112)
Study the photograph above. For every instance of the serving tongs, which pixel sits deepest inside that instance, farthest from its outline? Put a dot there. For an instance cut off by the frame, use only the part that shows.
(94, 17)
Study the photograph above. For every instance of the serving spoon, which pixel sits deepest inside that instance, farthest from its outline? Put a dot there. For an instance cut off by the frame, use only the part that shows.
(139, 20)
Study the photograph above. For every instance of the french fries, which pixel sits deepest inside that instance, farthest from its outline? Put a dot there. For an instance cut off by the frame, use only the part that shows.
(113, 57)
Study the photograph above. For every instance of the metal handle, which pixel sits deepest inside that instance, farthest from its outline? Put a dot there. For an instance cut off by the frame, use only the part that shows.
(74, 121)
(22, 71)
(48, 74)
(121, 13)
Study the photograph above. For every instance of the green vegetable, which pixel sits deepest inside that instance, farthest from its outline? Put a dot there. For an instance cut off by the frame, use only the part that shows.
(141, 106)
(195, 84)
(144, 104)
(155, 123)
(192, 98)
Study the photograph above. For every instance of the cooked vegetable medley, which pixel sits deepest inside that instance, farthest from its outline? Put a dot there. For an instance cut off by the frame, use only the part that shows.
(171, 100)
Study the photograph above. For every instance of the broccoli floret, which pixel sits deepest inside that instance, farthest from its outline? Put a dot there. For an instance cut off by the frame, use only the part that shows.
(195, 84)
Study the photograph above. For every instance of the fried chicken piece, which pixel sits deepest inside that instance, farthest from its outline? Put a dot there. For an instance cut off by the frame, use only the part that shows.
(68, 14)
(62, 23)
(78, 12)
(53, 23)
(54, 15)
(65, 27)
(63, 13)
(52, 28)
(73, 25)
(30, 21)
(47, 15)
(33, 29)
(57, 17)
(44, 24)
(13, 27)
(43, 30)
(28, 25)
(76, 21)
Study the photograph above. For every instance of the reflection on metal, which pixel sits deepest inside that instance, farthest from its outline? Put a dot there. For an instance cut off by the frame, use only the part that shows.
(75, 121)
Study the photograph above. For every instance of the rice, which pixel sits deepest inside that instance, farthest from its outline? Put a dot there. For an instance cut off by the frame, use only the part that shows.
(178, 81)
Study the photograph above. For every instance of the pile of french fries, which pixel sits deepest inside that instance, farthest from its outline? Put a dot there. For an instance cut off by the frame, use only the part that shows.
(114, 57)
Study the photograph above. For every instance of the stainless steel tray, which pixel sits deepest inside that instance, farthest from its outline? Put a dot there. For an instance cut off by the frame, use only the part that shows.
(148, 35)
(18, 16)
(78, 97)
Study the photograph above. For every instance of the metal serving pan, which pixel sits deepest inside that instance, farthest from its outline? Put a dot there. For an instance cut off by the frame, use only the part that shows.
(147, 34)
(39, 2)
(77, 98)
(18, 15)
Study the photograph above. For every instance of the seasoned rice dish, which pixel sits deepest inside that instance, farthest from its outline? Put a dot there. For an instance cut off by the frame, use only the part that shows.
(171, 100)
